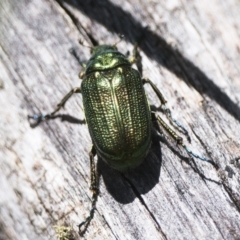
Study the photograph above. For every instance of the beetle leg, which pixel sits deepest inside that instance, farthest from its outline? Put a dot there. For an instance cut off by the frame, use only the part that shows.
(94, 175)
(156, 90)
(136, 58)
(135, 54)
(178, 139)
(164, 107)
(41, 117)
(94, 188)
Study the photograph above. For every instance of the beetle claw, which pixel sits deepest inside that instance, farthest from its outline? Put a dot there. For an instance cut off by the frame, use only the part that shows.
(35, 119)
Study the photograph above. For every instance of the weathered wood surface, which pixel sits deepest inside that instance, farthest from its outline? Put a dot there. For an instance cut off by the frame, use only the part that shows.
(190, 50)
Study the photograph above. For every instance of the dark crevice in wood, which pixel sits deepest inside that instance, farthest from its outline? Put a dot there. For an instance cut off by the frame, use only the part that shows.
(233, 196)
(74, 20)
(215, 223)
(215, 165)
(138, 195)
(77, 23)
(110, 227)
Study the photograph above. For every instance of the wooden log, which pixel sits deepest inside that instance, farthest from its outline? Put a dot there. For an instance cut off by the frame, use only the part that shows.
(190, 50)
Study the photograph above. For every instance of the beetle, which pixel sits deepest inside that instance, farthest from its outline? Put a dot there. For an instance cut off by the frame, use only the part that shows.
(117, 113)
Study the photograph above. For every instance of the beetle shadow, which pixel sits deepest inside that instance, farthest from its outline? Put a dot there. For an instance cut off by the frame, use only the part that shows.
(156, 48)
(124, 187)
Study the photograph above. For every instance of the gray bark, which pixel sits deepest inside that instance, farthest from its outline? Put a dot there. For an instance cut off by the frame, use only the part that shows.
(190, 50)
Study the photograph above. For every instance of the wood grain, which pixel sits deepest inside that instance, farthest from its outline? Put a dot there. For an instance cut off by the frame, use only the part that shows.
(190, 50)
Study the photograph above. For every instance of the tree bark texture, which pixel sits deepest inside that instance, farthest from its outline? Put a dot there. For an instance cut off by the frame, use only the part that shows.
(190, 50)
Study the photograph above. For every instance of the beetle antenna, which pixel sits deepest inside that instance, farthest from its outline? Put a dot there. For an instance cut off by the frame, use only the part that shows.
(121, 38)
(81, 43)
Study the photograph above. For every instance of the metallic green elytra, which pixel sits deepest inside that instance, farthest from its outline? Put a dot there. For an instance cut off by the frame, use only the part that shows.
(116, 109)
(117, 112)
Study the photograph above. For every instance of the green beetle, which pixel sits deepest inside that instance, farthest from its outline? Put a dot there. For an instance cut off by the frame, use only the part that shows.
(117, 112)
(116, 109)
